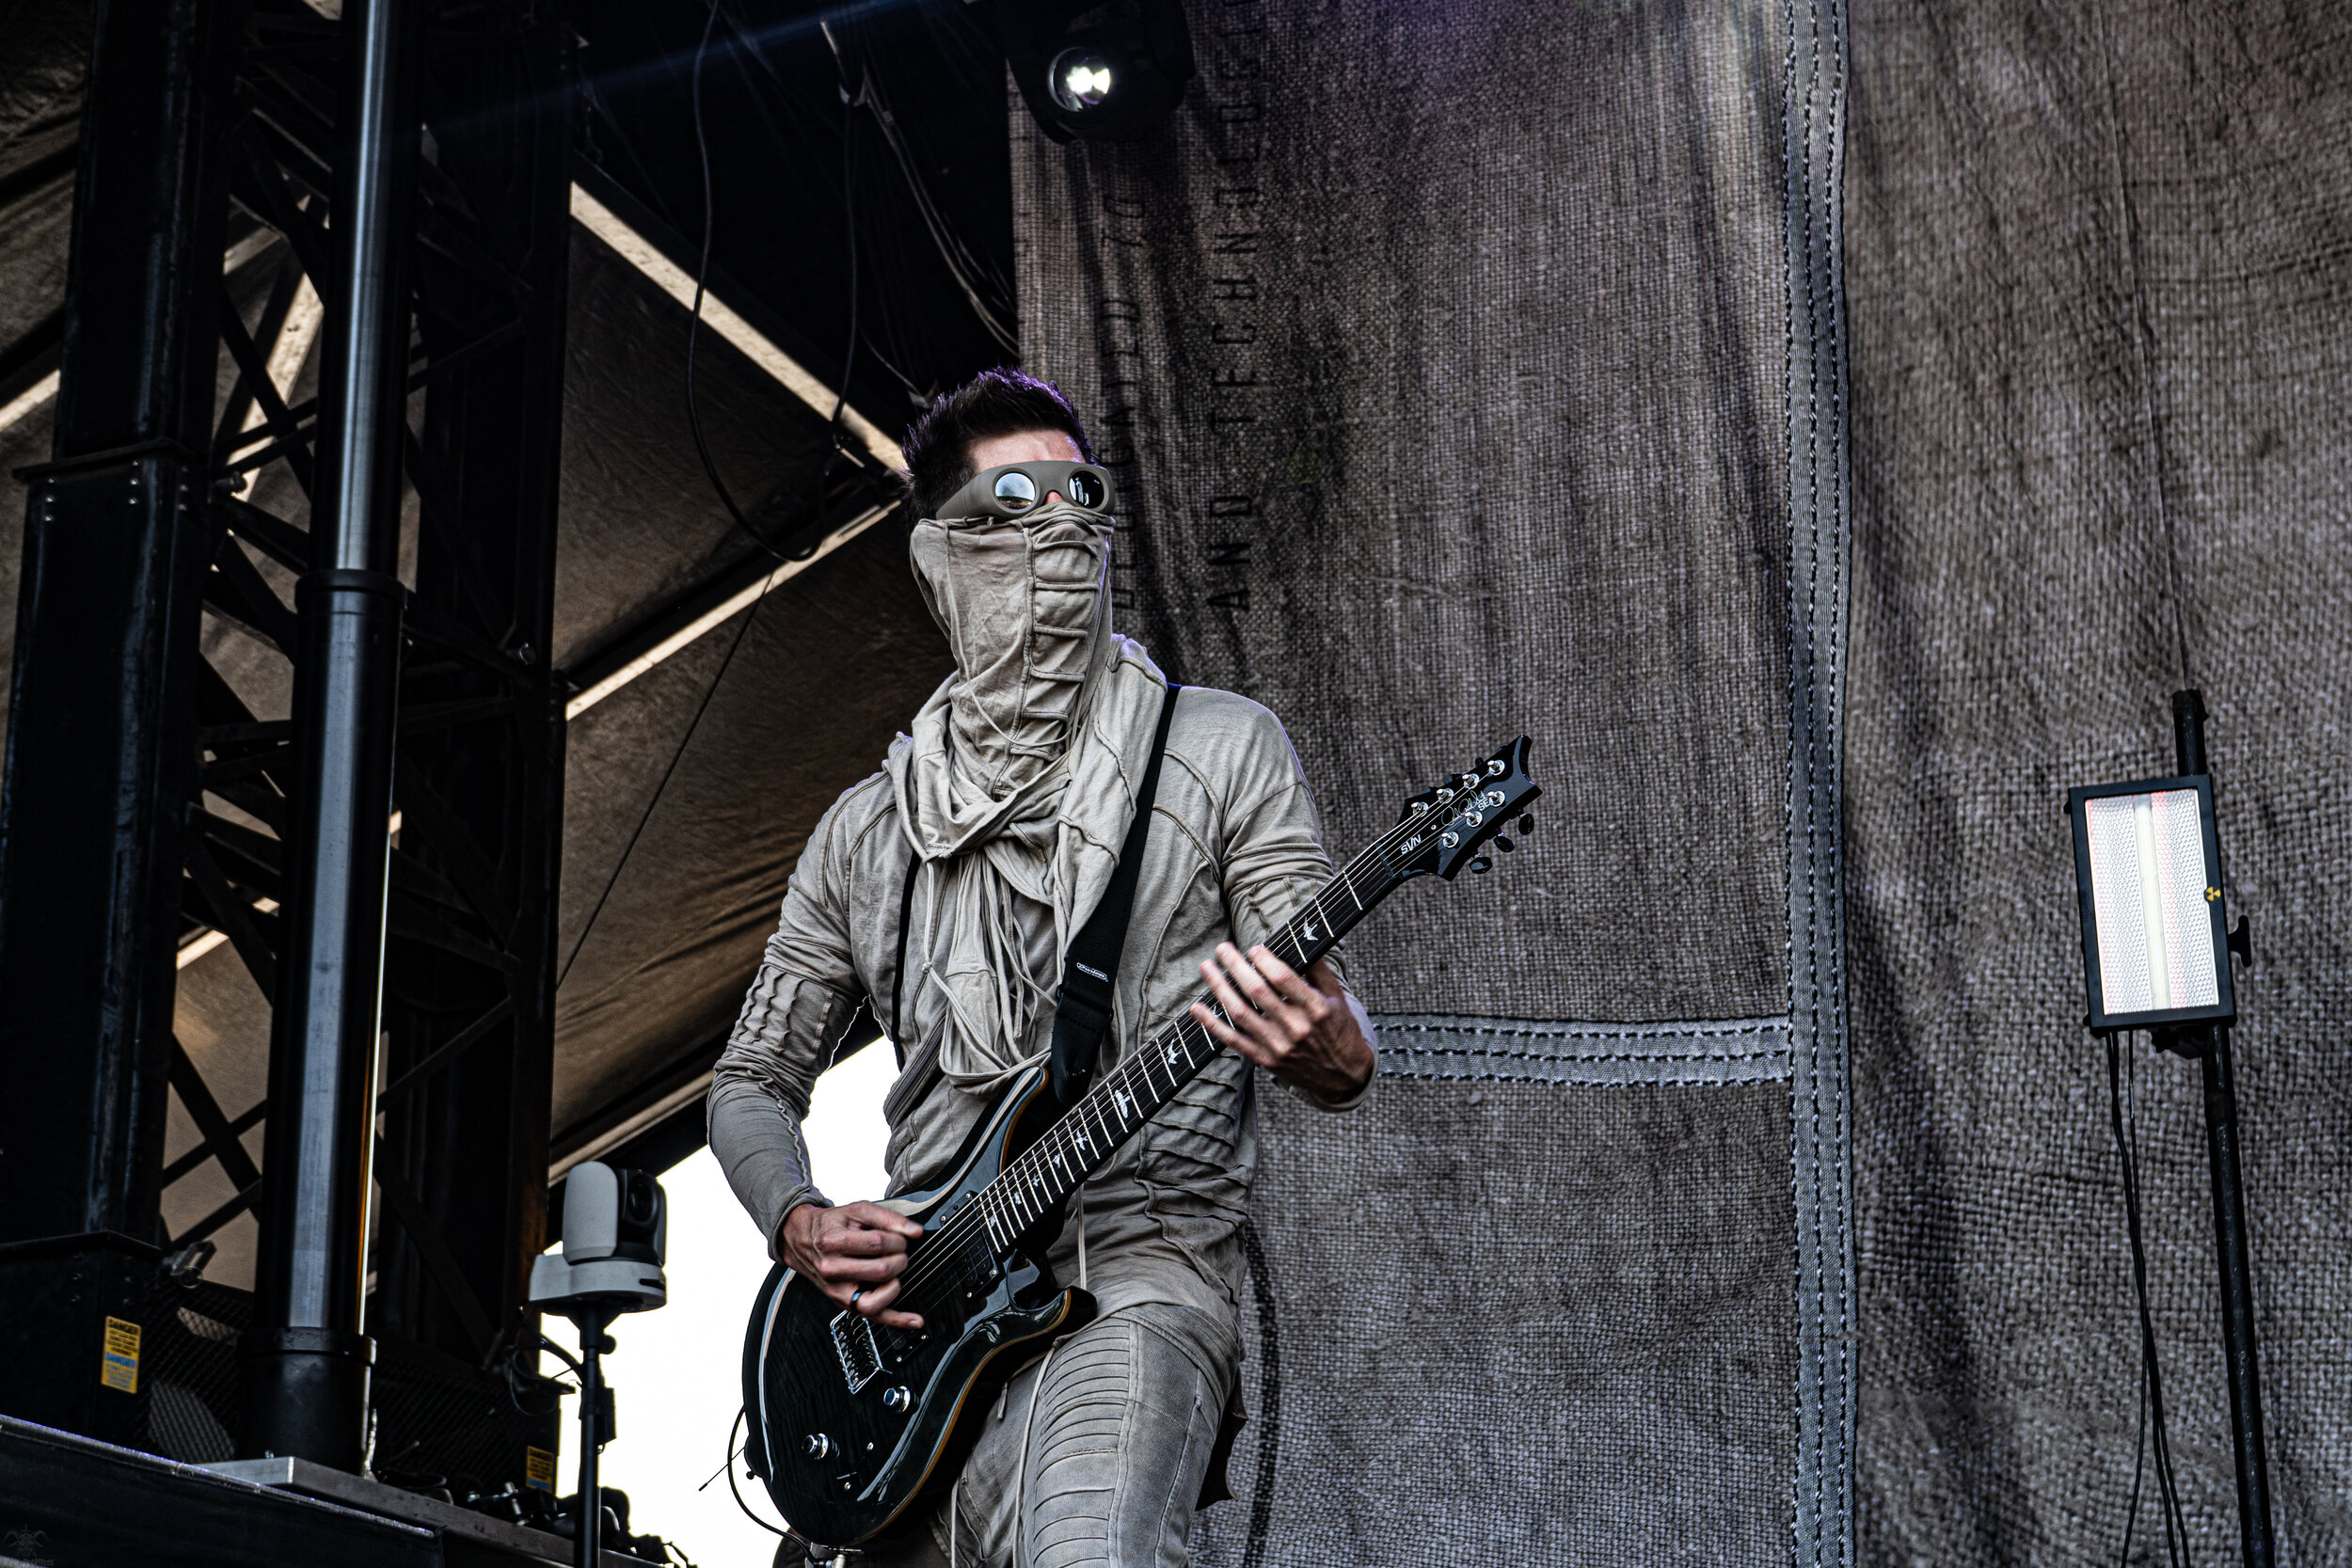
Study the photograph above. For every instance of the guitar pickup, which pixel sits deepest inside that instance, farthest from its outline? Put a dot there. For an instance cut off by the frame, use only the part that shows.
(853, 1341)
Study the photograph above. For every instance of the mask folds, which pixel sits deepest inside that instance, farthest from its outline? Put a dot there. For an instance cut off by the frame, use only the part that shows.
(1025, 608)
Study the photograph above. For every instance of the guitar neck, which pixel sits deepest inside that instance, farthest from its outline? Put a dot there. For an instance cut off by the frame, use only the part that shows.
(1078, 1145)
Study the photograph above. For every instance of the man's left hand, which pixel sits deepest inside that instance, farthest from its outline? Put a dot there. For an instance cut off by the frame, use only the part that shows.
(1300, 1027)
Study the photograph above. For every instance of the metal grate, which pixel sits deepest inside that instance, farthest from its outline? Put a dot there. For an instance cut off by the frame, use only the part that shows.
(441, 1424)
(189, 1368)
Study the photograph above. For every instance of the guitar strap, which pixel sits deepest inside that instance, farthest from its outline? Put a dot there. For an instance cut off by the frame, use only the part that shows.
(899, 974)
(1082, 1005)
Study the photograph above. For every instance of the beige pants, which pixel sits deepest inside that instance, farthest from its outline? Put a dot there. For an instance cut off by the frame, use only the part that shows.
(1108, 1469)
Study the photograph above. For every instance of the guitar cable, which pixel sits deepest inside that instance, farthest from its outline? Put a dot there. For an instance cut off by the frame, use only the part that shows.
(2123, 1109)
(808, 1547)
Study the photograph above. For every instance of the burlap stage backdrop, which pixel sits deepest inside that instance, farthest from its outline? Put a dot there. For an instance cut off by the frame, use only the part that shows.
(1739, 1189)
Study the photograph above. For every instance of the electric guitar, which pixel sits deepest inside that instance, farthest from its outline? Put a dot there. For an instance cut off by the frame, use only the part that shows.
(853, 1425)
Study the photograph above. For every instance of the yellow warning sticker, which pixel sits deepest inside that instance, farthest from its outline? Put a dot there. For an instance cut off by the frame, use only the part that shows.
(119, 1368)
(539, 1469)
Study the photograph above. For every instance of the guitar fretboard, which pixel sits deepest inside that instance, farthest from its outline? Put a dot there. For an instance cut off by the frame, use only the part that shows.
(1075, 1146)
(951, 1266)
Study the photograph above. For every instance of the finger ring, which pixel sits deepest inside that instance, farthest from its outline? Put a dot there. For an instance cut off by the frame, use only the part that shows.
(854, 1294)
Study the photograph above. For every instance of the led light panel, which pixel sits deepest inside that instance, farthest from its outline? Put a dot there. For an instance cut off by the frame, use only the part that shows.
(2150, 879)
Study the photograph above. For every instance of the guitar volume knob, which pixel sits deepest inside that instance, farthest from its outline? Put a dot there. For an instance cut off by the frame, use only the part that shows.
(896, 1400)
(820, 1446)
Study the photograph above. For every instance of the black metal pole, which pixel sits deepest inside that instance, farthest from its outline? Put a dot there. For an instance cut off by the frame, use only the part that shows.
(588, 1538)
(2229, 1225)
(307, 1358)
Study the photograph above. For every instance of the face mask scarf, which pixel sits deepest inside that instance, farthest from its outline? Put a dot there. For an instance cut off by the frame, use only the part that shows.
(1012, 785)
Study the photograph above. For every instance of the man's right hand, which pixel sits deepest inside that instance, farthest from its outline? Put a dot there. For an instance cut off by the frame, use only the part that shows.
(853, 1253)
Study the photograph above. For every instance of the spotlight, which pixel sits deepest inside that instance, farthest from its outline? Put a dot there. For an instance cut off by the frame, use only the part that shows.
(1080, 79)
(1097, 72)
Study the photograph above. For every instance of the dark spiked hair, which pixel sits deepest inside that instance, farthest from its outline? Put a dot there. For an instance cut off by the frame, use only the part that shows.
(1002, 402)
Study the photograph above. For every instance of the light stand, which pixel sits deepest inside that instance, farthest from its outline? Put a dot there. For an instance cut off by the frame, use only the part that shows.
(2210, 1044)
(588, 1539)
(2156, 951)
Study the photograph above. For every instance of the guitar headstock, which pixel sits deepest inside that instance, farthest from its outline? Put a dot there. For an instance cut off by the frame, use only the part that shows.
(1451, 822)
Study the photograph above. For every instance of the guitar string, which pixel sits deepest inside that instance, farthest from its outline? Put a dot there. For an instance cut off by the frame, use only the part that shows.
(1031, 1169)
(951, 1252)
(1028, 1174)
(1028, 1178)
(1070, 1149)
(948, 1246)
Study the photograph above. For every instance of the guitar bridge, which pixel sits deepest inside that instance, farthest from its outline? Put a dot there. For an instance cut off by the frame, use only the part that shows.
(853, 1341)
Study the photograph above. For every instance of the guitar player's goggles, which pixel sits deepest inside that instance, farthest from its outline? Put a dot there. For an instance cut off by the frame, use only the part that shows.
(1017, 489)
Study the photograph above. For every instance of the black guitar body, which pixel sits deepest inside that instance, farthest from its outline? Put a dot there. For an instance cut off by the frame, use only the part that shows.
(855, 1428)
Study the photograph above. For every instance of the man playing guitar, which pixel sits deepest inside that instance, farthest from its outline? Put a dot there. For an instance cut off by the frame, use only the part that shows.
(971, 861)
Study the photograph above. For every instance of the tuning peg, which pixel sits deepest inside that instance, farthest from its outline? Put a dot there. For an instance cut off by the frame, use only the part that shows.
(1504, 844)
(1527, 824)
(1482, 865)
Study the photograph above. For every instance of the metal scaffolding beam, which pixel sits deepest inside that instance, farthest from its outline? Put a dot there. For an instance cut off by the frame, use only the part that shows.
(194, 479)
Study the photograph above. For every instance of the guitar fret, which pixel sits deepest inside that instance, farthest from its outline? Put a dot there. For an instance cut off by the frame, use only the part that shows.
(1085, 1136)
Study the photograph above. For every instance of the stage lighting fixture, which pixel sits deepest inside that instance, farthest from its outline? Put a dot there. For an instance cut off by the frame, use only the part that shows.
(2147, 872)
(1097, 72)
(1081, 79)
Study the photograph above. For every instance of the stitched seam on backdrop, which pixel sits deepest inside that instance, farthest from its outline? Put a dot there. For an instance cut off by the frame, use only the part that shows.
(1758, 1028)
(1711, 1052)
(1820, 1099)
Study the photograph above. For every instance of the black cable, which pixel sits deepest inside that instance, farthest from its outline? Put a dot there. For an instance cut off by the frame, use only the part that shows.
(988, 294)
(675, 757)
(2127, 1156)
(824, 474)
(733, 1454)
(702, 278)
(849, 229)
(2140, 1461)
(2170, 1474)
(564, 1356)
